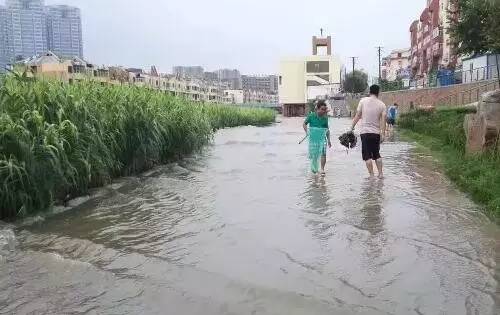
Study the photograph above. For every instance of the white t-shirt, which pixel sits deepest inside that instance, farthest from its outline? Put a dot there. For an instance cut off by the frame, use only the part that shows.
(371, 109)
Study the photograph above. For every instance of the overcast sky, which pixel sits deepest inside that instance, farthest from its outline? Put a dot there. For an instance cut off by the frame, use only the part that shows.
(250, 35)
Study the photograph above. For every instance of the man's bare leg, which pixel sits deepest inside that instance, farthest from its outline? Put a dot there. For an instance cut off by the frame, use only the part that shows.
(323, 163)
(369, 166)
(379, 168)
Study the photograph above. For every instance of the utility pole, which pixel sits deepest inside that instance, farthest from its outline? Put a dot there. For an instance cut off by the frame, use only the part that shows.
(379, 48)
(353, 63)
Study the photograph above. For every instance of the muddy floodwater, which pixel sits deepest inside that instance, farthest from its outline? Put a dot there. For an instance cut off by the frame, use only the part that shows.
(243, 228)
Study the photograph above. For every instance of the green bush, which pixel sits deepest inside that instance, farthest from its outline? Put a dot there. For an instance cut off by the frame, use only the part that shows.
(443, 132)
(58, 139)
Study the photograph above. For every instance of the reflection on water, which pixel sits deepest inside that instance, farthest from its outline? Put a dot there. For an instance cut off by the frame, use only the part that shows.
(243, 228)
(372, 197)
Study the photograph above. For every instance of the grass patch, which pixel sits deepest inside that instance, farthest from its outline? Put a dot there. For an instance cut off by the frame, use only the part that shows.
(59, 140)
(443, 133)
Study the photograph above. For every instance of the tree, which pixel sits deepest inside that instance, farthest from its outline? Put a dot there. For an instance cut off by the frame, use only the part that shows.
(493, 34)
(386, 85)
(356, 82)
(469, 27)
(475, 27)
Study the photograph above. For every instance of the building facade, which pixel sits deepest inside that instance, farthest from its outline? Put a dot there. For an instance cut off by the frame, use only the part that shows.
(230, 76)
(268, 83)
(193, 72)
(260, 98)
(64, 30)
(305, 79)
(3, 46)
(210, 76)
(396, 65)
(24, 29)
(431, 46)
(479, 68)
(234, 96)
(29, 28)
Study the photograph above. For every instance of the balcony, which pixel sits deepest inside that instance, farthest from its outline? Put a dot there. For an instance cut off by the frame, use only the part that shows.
(427, 40)
(437, 50)
(437, 32)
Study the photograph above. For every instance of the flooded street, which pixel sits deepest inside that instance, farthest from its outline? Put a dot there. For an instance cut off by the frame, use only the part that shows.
(243, 228)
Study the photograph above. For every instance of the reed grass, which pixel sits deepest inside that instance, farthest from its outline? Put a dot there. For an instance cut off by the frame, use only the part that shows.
(58, 140)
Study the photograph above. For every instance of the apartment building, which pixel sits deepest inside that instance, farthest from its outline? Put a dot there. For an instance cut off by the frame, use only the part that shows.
(396, 65)
(431, 47)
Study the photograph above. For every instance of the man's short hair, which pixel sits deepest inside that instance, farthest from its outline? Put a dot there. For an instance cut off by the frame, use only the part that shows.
(320, 104)
(374, 90)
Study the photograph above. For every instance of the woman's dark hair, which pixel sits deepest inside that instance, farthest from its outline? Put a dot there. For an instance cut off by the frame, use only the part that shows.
(320, 104)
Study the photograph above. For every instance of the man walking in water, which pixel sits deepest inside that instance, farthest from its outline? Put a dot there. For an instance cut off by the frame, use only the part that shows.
(372, 112)
(319, 134)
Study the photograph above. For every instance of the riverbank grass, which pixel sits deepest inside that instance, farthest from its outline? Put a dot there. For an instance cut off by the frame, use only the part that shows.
(58, 140)
(443, 134)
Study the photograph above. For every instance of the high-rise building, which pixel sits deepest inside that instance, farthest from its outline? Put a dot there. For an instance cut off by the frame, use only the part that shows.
(267, 83)
(24, 29)
(210, 76)
(29, 28)
(193, 72)
(64, 30)
(3, 51)
(230, 76)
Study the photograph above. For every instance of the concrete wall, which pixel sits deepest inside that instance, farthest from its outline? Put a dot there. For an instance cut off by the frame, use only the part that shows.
(292, 85)
(459, 94)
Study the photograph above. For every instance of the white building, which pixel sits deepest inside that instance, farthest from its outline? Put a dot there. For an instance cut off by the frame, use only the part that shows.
(308, 78)
(234, 96)
(478, 68)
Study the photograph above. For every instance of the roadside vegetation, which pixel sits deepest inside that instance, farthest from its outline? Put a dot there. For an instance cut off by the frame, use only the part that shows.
(58, 140)
(443, 133)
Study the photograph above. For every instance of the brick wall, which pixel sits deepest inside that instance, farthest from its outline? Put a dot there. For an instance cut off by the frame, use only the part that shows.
(459, 94)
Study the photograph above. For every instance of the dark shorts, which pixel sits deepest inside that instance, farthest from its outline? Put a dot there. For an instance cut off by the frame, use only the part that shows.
(391, 121)
(370, 146)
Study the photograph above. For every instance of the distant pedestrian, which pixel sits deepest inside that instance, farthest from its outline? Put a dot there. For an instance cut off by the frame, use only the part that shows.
(392, 113)
(372, 112)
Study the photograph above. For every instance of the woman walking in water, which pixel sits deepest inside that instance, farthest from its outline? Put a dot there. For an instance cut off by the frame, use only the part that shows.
(319, 135)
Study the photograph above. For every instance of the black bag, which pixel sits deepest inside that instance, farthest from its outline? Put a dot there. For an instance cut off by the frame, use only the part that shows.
(348, 140)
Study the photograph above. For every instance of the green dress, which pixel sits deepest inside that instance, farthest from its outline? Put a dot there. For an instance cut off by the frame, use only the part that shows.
(318, 128)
